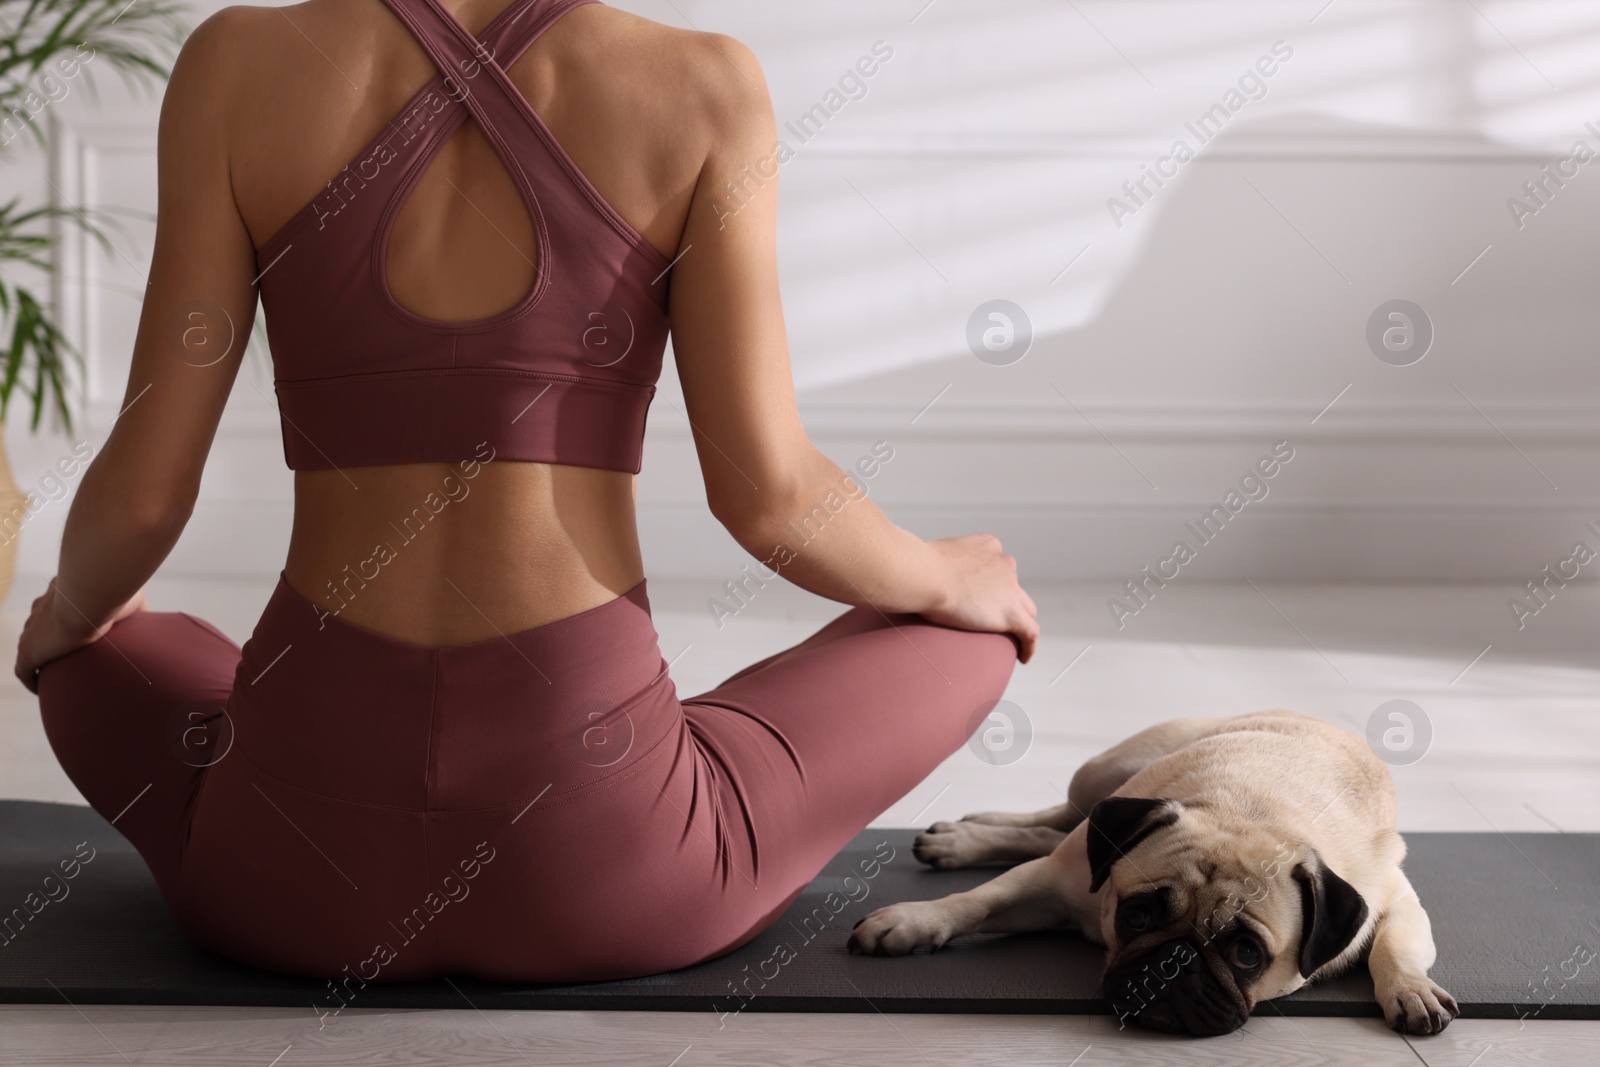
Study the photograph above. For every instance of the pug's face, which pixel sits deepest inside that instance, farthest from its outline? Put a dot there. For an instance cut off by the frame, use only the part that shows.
(1203, 920)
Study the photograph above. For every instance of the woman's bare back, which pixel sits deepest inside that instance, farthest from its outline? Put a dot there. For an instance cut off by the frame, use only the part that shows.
(518, 544)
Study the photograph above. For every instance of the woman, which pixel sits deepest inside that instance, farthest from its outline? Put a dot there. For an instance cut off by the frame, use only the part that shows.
(451, 745)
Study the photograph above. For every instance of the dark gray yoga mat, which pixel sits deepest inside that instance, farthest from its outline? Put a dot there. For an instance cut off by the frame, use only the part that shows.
(1516, 917)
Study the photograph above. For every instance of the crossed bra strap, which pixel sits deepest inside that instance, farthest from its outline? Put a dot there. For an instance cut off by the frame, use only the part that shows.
(492, 100)
(363, 381)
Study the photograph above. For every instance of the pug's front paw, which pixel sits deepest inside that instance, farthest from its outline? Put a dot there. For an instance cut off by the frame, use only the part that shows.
(946, 846)
(900, 929)
(1417, 1005)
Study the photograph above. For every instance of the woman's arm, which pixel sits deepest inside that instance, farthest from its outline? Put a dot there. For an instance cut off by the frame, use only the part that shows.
(198, 310)
(763, 477)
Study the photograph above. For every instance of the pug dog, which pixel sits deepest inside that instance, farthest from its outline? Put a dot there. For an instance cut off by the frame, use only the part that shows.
(1222, 862)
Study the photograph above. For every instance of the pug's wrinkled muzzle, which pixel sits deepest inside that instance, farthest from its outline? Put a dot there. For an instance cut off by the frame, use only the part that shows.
(1176, 988)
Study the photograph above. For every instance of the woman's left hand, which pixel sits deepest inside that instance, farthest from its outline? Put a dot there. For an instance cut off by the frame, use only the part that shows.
(50, 633)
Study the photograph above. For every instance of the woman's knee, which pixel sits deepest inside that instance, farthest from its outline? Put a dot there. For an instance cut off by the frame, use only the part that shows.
(72, 687)
(987, 659)
(128, 692)
(978, 668)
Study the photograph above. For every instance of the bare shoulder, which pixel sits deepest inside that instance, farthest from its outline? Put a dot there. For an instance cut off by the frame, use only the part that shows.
(226, 34)
(223, 52)
(211, 65)
(253, 44)
(713, 63)
(707, 78)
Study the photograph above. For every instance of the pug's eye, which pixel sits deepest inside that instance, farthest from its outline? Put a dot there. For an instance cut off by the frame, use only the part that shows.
(1139, 917)
(1245, 954)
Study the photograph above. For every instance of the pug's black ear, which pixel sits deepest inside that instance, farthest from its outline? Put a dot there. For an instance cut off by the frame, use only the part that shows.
(1332, 913)
(1117, 824)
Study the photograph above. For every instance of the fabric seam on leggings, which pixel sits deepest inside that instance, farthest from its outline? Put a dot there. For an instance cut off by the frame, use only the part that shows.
(577, 792)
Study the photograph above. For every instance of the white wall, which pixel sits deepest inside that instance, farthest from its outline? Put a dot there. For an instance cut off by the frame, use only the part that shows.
(1222, 316)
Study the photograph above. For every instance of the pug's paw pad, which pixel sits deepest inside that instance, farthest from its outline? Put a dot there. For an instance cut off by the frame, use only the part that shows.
(900, 929)
(1418, 1006)
(947, 845)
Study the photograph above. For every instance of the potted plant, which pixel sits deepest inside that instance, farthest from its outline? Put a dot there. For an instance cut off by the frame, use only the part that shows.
(48, 50)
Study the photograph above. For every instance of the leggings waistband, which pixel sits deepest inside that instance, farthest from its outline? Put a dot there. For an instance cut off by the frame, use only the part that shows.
(330, 707)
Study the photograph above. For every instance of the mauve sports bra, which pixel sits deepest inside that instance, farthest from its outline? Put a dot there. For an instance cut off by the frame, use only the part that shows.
(564, 376)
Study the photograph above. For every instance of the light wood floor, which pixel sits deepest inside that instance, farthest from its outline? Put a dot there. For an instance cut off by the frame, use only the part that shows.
(231, 1037)
(1516, 747)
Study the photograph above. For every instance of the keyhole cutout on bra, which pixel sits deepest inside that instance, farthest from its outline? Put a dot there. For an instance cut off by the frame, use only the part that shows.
(463, 246)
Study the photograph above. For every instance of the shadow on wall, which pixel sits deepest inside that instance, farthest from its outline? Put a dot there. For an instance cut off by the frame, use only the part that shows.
(957, 173)
(1244, 323)
(1266, 256)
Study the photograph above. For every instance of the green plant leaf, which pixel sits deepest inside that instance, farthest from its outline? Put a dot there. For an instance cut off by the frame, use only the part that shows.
(138, 40)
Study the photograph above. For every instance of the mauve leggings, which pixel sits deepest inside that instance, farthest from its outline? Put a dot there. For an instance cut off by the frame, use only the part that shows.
(331, 802)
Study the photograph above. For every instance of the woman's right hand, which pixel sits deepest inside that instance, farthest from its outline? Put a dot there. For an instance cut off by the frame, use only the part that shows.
(983, 593)
(55, 627)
